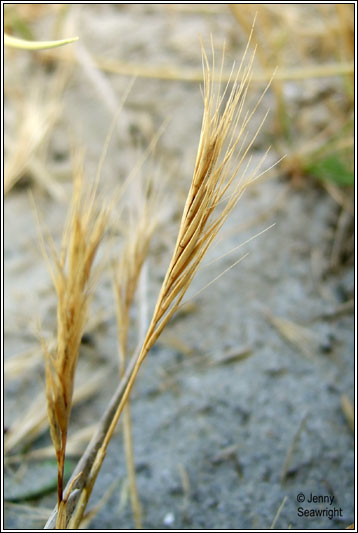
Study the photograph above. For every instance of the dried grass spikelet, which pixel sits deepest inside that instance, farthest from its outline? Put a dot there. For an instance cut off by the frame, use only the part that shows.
(142, 215)
(36, 118)
(215, 188)
(36, 112)
(214, 192)
(127, 272)
(72, 278)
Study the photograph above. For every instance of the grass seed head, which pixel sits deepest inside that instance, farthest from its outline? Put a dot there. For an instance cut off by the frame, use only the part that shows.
(220, 178)
(72, 277)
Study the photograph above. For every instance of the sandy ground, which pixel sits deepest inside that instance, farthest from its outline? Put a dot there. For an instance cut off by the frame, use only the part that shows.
(219, 444)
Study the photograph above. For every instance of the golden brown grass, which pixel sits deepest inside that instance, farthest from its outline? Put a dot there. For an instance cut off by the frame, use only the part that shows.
(319, 38)
(173, 73)
(301, 337)
(76, 442)
(35, 120)
(37, 113)
(143, 217)
(143, 211)
(72, 278)
(214, 192)
(348, 411)
(38, 106)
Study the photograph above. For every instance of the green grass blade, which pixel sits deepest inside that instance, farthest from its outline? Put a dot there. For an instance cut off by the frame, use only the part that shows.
(332, 168)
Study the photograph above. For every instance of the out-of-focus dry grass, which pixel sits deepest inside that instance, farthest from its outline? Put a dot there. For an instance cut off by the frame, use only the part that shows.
(314, 129)
(303, 42)
(288, 35)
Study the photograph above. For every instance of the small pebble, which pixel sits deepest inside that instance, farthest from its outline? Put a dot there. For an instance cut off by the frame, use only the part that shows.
(169, 519)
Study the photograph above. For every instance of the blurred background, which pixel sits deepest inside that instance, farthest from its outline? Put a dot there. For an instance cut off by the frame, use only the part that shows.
(246, 400)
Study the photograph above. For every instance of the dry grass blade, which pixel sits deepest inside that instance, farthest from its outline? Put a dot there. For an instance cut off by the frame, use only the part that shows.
(348, 410)
(171, 73)
(213, 194)
(292, 448)
(87, 519)
(37, 114)
(76, 445)
(28, 361)
(35, 123)
(24, 362)
(302, 338)
(143, 211)
(29, 511)
(71, 274)
(279, 511)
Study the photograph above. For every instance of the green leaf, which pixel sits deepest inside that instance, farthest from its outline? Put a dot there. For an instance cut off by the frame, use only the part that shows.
(44, 482)
(332, 168)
